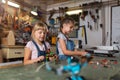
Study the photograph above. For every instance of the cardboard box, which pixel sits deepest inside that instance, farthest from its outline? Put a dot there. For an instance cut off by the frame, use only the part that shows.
(8, 38)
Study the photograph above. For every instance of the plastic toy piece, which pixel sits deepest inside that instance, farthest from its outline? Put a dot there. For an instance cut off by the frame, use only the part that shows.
(73, 64)
(73, 67)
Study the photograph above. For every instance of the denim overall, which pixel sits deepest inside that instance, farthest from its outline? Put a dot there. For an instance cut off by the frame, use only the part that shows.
(70, 46)
(40, 53)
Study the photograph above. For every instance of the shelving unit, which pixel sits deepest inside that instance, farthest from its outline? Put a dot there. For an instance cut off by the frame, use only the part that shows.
(92, 5)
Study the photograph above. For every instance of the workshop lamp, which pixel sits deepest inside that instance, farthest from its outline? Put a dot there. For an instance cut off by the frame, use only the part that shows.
(73, 12)
(34, 11)
(11, 4)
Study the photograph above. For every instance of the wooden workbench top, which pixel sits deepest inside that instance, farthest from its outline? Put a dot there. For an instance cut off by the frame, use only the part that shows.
(12, 46)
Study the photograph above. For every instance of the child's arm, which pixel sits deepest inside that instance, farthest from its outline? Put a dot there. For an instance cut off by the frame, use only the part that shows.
(27, 57)
(68, 52)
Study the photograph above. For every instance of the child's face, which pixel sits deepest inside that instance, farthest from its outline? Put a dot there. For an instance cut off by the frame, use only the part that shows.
(68, 27)
(40, 34)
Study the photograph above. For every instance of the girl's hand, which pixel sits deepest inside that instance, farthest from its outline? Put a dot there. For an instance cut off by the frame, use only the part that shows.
(40, 58)
(83, 53)
(54, 57)
(51, 58)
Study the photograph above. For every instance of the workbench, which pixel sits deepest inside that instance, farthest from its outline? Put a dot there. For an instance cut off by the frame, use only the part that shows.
(38, 71)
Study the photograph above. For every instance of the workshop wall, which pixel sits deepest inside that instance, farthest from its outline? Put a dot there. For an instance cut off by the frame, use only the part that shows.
(97, 32)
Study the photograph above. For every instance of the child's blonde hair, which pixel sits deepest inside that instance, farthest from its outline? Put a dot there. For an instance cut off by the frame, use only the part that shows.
(38, 26)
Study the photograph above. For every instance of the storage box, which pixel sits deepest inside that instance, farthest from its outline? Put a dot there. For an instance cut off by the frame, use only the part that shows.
(8, 38)
(13, 52)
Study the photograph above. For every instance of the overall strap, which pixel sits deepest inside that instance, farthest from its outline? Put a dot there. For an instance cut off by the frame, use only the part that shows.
(57, 52)
(39, 51)
(45, 46)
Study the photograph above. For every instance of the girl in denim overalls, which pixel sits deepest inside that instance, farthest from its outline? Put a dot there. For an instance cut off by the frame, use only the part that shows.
(31, 53)
(67, 26)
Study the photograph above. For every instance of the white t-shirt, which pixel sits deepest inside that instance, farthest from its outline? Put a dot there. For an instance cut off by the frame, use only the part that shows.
(33, 48)
(61, 36)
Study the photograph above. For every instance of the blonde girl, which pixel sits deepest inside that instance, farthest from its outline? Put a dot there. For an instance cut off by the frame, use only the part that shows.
(35, 49)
